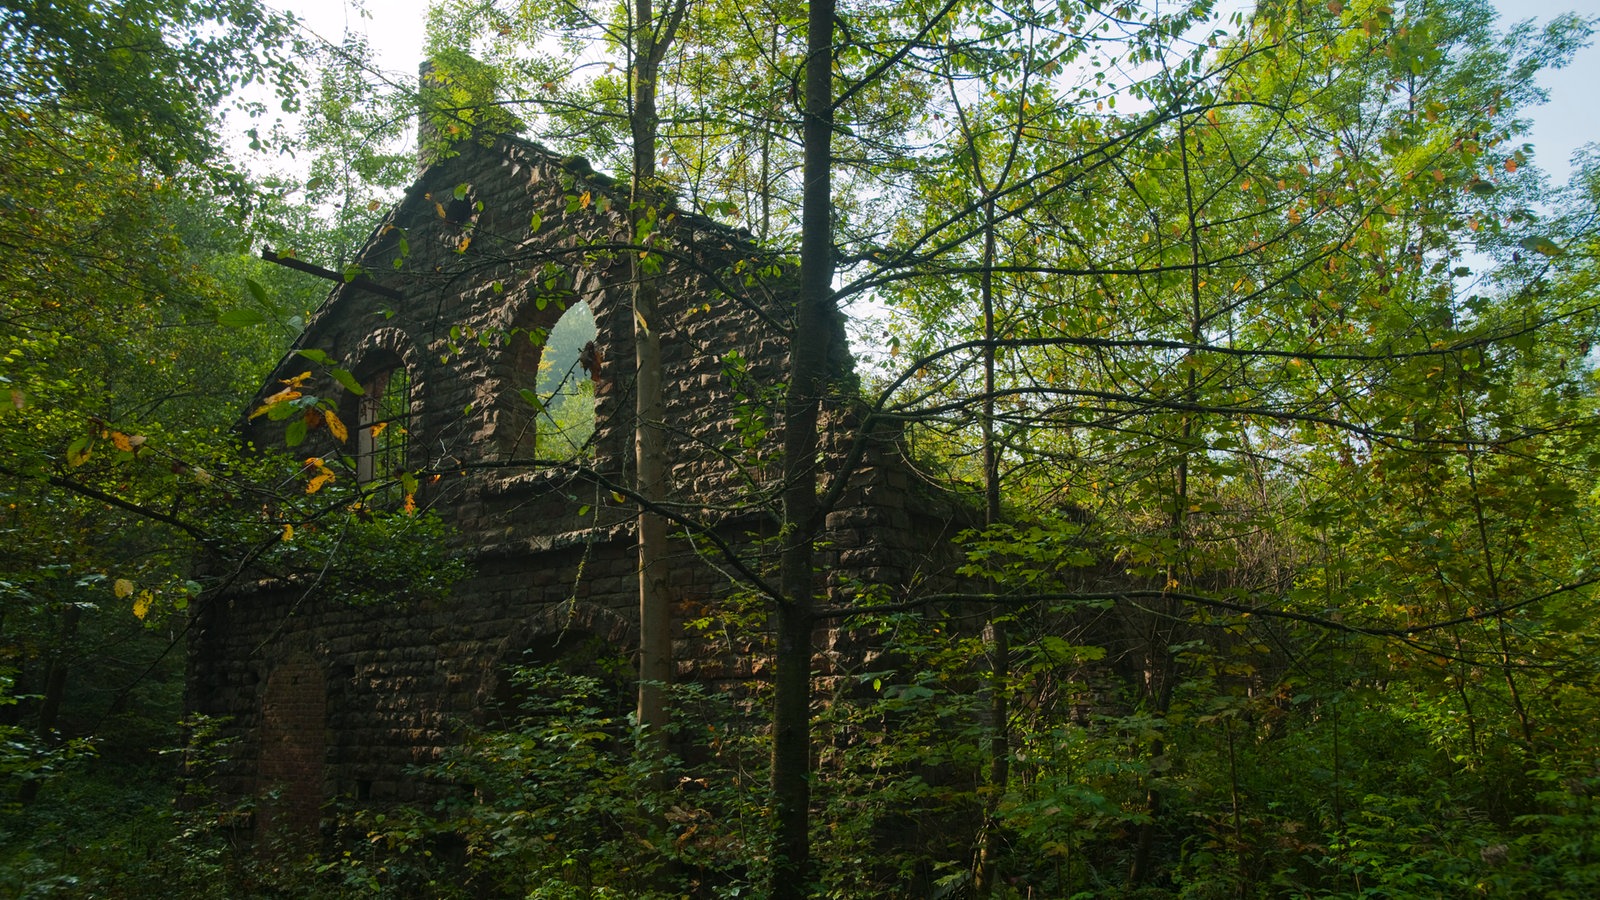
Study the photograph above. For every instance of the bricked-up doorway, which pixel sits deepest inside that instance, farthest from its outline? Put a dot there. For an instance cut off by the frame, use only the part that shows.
(294, 713)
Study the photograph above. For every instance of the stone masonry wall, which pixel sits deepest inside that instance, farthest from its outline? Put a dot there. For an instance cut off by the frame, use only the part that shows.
(486, 246)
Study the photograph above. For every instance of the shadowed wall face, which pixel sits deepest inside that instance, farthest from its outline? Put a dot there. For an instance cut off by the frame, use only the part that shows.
(293, 743)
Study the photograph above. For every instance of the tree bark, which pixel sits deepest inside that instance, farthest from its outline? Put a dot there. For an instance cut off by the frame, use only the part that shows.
(655, 608)
(808, 354)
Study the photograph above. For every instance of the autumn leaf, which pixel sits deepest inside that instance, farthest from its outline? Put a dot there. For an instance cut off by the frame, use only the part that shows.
(291, 391)
(141, 606)
(288, 532)
(321, 474)
(121, 442)
(336, 426)
(122, 588)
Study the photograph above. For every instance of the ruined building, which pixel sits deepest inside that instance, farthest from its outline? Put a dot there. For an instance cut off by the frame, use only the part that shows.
(488, 249)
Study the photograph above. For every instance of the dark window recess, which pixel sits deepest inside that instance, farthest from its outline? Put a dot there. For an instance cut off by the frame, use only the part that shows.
(383, 425)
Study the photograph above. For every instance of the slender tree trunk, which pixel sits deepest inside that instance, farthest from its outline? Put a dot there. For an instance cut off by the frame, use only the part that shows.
(1179, 569)
(55, 693)
(808, 351)
(655, 609)
(995, 635)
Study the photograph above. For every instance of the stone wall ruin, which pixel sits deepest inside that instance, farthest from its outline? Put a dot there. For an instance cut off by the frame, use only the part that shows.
(330, 699)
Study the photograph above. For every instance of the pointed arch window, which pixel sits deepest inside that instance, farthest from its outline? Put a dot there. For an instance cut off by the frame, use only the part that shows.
(383, 425)
(566, 385)
(554, 370)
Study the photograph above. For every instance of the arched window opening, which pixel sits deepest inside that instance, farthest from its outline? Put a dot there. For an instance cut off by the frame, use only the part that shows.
(566, 386)
(383, 425)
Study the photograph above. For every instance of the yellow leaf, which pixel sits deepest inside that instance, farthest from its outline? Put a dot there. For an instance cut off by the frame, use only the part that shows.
(618, 497)
(321, 474)
(123, 588)
(378, 428)
(336, 426)
(121, 441)
(411, 505)
(141, 606)
(288, 532)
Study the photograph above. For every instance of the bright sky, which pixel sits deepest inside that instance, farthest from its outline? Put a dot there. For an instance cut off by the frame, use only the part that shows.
(1567, 122)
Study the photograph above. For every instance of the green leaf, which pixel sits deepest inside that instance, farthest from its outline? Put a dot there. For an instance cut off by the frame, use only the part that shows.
(256, 290)
(316, 356)
(295, 434)
(1541, 245)
(240, 318)
(348, 381)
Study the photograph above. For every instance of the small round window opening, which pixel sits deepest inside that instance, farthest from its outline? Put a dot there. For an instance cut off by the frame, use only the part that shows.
(459, 210)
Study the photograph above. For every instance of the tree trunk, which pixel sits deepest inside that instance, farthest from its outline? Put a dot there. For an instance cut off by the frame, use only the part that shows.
(808, 353)
(995, 635)
(55, 693)
(655, 609)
